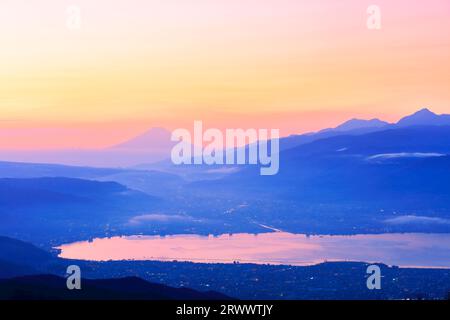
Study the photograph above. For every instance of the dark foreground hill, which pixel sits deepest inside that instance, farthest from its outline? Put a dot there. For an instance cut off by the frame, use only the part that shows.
(24, 274)
(50, 287)
(19, 252)
(18, 258)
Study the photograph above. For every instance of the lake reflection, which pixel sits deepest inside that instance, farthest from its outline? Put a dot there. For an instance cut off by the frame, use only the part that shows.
(413, 250)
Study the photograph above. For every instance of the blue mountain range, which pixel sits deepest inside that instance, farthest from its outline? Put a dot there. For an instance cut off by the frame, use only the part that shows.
(353, 178)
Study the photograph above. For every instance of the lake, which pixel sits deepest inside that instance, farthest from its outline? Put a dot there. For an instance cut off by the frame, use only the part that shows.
(406, 250)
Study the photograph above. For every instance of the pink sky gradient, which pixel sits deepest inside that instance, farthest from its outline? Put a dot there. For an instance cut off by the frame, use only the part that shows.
(295, 65)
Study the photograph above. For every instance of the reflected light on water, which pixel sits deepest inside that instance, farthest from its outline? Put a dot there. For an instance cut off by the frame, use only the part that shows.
(414, 250)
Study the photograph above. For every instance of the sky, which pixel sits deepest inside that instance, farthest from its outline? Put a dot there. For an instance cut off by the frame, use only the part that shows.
(290, 64)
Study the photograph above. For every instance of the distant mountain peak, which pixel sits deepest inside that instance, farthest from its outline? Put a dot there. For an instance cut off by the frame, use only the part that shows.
(154, 138)
(354, 123)
(424, 117)
(425, 111)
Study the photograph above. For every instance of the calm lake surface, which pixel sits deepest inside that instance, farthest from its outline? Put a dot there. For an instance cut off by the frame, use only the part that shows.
(406, 250)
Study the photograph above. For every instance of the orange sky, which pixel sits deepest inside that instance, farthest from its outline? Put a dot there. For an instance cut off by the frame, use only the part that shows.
(288, 64)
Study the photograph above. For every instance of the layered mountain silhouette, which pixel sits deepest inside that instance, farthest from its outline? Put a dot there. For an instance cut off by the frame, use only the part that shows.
(414, 159)
(354, 169)
(423, 117)
(51, 208)
(364, 176)
(353, 182)
(155, 145)
(152, 146)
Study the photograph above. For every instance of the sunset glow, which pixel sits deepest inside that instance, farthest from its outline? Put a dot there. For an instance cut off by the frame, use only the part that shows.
(294, 65)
